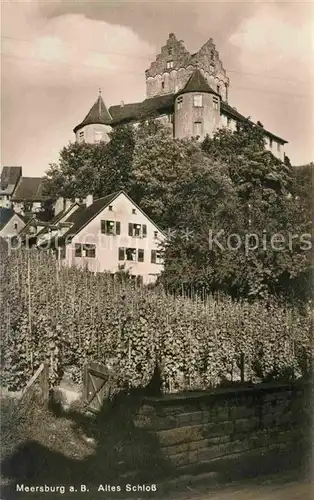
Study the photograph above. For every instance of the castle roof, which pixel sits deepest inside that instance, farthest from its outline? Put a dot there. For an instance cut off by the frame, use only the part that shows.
(142, 110)
(197, 83)
(97, 114)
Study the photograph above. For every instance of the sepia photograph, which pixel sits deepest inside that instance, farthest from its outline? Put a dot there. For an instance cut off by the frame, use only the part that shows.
(156, 250)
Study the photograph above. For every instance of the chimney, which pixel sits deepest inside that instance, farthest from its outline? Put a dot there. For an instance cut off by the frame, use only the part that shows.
(59, 205)
(89, 200)
(122, 104)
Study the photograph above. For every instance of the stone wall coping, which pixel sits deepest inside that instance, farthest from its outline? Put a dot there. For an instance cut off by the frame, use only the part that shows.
(192, 396)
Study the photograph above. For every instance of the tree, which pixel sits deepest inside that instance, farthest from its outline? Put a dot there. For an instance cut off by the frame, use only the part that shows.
(260, 250)
(97, 169)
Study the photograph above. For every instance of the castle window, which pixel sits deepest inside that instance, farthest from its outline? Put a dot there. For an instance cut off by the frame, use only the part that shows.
(218, 89)
(198, 101)
(212, 54)
(179, 102)
(170, 51)
(211, 68)
(162, 85)
(197, 129)
(97, 136)
(215, 102)
(169, 64)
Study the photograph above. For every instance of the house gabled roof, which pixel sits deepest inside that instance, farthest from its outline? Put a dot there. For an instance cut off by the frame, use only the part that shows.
(97, 114)
(6, 215)
(9, 179)
(84, 215)
(29, 189)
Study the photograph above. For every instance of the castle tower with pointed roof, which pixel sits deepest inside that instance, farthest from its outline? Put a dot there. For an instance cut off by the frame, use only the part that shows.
(96, 125)
(196, 108)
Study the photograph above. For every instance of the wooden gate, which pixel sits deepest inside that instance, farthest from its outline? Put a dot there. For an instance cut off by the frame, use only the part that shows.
(96, 385)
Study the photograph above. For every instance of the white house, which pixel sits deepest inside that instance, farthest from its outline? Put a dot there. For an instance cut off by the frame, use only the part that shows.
(108, 233)
(11, 223)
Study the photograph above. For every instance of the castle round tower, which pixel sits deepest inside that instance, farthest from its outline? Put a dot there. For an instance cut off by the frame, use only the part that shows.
(196, 109)
(96, 125)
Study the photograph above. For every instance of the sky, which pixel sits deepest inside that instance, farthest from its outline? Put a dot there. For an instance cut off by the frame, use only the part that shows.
(57, 54)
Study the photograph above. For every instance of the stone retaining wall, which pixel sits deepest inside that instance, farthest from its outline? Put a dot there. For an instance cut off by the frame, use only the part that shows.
(200, 427)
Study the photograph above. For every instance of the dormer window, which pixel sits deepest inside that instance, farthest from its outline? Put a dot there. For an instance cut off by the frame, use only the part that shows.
(169, 64)
(198, 101)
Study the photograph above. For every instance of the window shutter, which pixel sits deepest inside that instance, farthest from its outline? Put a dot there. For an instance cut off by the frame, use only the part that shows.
(140, 255)
(103, 226)
(144, 230)
(121, 253)
(78, 250)
(118, 227)
(153, 257)
(130, 229)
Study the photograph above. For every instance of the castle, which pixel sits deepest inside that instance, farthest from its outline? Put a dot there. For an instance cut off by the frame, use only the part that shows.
(187, 92)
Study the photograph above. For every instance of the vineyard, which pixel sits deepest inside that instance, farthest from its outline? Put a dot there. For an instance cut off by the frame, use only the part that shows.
(69, 316)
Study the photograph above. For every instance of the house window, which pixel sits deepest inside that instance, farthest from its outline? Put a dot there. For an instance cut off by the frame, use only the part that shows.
(270, 143)
(90, 250)
(155, 235)
(179, 102)
(110, 227)
(98, 136)
(15, 225)
(133, 210)
(215, 102)
(197, 129)
(137, 230)
(278, 147)
(198, 101)
(131, 254)
(81, 136)
(156, 257)
(78, 250)
(110, 208)
(169, 64)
